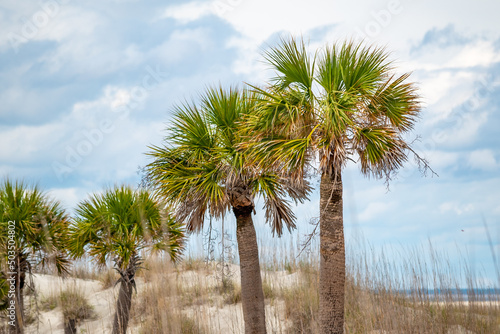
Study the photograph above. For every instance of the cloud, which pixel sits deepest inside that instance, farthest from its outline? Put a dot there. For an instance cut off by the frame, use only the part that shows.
(183, 43)
(69, 197)
(466, 130)
(374, 210)
(441, 38)
(52, 20)
(479, 53)
(483, 160)
(442, 160)
(457, 208)
(444, 90)
(188, 12)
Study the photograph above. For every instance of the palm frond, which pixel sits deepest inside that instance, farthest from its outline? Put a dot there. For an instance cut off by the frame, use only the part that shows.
(119, 223)
(292, 64)
(397, 102)
(380, 151)
(40, 224)
(274, 190)
(195, 185)
(358, 107)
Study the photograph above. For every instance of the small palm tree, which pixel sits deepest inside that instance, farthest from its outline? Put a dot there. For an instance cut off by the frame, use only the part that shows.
(203, 170)
(321, 111)
(120, 224)
(33, 231)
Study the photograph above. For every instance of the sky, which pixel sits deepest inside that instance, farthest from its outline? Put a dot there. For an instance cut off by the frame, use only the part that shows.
(86, 87)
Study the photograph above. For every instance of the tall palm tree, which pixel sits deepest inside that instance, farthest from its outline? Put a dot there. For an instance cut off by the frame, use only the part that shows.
(344, 103)
(121, 224)
(202, 170)
(33, 230)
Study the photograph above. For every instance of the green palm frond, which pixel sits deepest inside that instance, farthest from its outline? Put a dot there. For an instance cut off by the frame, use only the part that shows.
(397, 102)
(40, 224)
(380, 150)
(284, 113)
(358, 107)
(223, 109)
(119, 223)
(174, 245)
(182, 184)
(283, 155)
(278, 211)
(196, 185)
(352, 67)
(292, 63)
(190, 133)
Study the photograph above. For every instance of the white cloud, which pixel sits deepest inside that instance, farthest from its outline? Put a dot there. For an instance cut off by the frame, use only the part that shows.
(180, 43)
(48, 21)
(481, 53)
(20, 145)
(482, 160)
(442, 91)
(374, 210)
(464, 129)
(188, 12)
(458, 208)
(69, 197)
(440, 160)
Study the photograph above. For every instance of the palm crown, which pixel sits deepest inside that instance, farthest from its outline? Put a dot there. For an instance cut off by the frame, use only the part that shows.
(40, 225)
(204, 168)
(341, 104)
(121, 222)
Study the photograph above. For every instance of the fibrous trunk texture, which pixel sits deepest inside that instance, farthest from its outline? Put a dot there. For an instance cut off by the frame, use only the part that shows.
(122, 314)
(332, 256)
(70, 326)
(21, 265)
(252, 296)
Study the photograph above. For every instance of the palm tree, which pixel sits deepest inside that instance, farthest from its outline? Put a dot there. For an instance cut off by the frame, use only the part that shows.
(202, 170)
(344, 103)
(120, 224)
(33, 230)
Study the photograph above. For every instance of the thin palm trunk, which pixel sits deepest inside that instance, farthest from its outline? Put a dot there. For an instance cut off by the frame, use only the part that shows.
(19, 328)
(122, 313)
(70, 326)
(252, 296)
(20, 277)
(332, 262)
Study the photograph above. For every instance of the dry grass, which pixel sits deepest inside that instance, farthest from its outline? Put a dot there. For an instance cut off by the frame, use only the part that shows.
(158, 307)
(75, 305)
(384, 294)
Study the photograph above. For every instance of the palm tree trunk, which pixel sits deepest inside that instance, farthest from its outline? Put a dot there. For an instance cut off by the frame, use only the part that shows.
(252, 296)
(122, 313)
(20, 277)
(70, 326)
(19, 304)
(332, 259)
(18, 327)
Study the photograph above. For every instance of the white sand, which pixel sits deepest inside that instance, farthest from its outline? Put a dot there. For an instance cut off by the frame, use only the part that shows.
(220, 318)
(103, 302)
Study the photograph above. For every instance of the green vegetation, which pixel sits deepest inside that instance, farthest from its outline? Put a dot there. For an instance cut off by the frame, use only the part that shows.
(33, 232)
(343, 103)
(118, 225)
(204, 170)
